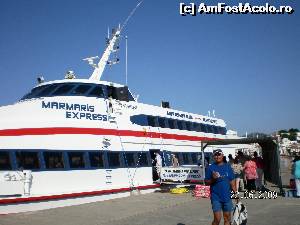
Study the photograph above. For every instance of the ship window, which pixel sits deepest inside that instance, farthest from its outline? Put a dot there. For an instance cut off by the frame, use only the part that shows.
(46, 91)
(215, 129)
(54, 160)
(34, 91)
(119, 93)
(171, 123)
(76, 160)
(130, 97)
(111, 92)
(64, 89)
(151, 121)
(5, 161)
(96, 159)
(185, 157)
(122, 93)
(177, 155)
(223, 130)
(188, 125)
(97, 92)
(28, 160)
(139, 119)
(129, 159)
(209, 129)
(81, 89)
(219, 130)
(194, 156)
(161, 122)
(197, 127)
(166, 158)
(179, 125)
(208, 156)
(113, 159)
(142, 159)
(203, 128)
(27, 96)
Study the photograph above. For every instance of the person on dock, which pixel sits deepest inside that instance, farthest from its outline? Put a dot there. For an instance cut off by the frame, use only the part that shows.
(175, 162)
(220, 177)
(259, 170)
(242, 159)
(237, 170)
(250, 173)
(158, 164)
(296, 172)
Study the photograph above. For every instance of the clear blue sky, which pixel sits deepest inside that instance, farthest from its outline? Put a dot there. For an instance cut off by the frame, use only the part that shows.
(246, 67)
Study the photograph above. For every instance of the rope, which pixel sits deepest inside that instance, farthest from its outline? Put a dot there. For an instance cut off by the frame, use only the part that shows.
(130, 176)
(140, 154)
(130, 15)
(130, 180)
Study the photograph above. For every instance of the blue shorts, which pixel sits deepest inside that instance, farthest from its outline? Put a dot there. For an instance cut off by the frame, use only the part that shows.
(222, 206)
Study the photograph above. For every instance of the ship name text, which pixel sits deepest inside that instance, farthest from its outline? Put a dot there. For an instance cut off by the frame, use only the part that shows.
(75, 111)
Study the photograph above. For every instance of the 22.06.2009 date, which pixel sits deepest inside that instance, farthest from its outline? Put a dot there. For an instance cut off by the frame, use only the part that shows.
(254, 195)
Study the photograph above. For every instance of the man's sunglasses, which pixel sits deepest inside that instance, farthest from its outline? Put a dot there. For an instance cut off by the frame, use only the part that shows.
(217, 154)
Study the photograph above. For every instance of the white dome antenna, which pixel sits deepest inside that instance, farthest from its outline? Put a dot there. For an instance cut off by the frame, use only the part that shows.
(70, 75)
(40, 79)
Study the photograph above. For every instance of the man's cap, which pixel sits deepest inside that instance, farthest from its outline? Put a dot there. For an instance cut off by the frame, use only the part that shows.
(217, 151)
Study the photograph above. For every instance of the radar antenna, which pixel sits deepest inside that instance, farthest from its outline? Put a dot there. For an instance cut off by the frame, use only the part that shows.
(112, 46)
(90, 61)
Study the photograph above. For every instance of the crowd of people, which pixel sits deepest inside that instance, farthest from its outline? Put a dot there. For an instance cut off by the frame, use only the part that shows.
(239, 173)
(248, 171)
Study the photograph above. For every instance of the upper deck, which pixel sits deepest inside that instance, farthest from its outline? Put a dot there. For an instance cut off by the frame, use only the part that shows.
(80, 87)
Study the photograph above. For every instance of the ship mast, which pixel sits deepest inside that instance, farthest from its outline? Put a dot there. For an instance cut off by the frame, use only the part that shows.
(112, 46)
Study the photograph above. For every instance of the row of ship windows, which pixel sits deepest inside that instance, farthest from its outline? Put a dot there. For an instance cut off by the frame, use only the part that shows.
(62, 160)
(163, 122)
(80, 89)
(64, 89)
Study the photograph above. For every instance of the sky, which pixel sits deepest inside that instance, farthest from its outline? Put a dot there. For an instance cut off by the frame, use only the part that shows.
(245, 67)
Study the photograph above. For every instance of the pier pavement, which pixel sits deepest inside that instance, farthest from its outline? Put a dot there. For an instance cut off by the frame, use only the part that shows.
(160, 209)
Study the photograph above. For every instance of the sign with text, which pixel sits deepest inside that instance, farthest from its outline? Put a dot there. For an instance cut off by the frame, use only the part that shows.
(182, 173)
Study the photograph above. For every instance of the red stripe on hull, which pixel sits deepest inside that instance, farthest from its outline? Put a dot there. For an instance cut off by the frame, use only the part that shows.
(71, 195)
(98, 131)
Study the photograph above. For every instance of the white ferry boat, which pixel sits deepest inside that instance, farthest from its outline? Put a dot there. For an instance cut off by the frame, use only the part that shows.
(74, 141)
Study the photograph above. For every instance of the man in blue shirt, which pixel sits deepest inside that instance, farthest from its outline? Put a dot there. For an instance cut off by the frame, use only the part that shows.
(220, 177)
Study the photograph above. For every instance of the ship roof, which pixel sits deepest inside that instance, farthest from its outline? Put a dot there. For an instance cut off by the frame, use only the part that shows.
(87, 81)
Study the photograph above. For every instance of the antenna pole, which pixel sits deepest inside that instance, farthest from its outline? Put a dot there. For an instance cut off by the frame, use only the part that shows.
(99, 68)
(126, 62)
